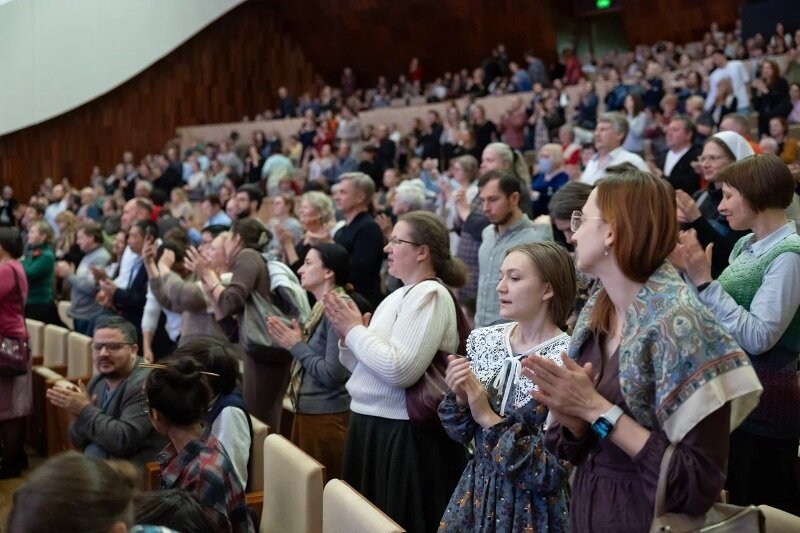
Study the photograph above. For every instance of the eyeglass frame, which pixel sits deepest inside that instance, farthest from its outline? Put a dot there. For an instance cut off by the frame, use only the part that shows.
(577, 219)
(711, 158)
(106, 346)
(394, 242)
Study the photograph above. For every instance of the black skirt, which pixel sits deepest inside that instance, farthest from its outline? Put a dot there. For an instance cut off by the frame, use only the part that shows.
(410, 474)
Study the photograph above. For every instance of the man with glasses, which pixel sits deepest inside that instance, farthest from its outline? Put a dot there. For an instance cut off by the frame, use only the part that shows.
(109, 416)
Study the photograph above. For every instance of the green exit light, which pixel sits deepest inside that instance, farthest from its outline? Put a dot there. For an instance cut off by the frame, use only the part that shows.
(603, 4)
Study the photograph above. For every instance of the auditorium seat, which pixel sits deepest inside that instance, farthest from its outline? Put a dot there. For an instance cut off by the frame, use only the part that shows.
(777, 521)
(345, 510)
(63, 314)
(53, 361)
(35, 339)
(292, 489)
(79, 357)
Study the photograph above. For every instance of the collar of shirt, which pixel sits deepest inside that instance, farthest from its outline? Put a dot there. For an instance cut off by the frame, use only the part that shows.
(173, 463)
(759, 248)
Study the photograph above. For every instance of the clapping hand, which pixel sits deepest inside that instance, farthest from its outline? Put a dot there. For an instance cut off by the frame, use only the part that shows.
(690, 257)
(284, 335)
(344, 315)
(688, 211)
(568, 391)
(195, 262)
(468, 390)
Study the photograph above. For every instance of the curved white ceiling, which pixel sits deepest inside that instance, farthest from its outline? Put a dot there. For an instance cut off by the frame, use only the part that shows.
(56, 55)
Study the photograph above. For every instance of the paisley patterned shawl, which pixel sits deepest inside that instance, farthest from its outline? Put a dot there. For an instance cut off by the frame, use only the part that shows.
(677, 364)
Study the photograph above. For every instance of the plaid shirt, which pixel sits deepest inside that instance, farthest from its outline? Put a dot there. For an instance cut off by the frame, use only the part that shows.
(204, 470)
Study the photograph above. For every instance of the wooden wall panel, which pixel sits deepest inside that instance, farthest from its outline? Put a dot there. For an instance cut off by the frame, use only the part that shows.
(379, 37)
(647, 21)
(230, 69)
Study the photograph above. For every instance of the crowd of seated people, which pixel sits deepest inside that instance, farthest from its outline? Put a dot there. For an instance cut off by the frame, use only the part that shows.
(311, 277)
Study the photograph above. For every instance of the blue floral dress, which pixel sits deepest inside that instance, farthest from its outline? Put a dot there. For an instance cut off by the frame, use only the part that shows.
(513, 483)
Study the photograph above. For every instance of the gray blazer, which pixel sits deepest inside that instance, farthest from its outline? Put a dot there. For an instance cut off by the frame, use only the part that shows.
(122, 430)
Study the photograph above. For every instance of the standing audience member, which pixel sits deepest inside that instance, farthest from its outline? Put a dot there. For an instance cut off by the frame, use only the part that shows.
(770, 96)
(738, 76)
(16, 394)
(511, 484)
(407, 471)
(266, 370)
(39, 265)
(360, 236)
(317, 390)
(550, 178)
(676, 164)
(178, 396)
(756, 299)
(611, 130)
(509, 226)
(787, 147)
(316, 217)
(499, 156)
(128, 297)
(700, 212)
(185, 295)
(613, 415)
(107, 417)
(637, 124)
(83, 287)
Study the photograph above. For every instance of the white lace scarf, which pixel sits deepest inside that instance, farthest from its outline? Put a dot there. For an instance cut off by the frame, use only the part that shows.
(495, 363)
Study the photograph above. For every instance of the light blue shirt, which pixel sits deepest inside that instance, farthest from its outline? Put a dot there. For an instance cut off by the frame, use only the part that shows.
(775, 302)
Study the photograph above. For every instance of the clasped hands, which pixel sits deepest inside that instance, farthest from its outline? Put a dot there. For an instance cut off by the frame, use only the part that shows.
(70, 397)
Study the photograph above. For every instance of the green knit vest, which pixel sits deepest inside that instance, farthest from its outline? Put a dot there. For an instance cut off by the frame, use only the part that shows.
(744, 277)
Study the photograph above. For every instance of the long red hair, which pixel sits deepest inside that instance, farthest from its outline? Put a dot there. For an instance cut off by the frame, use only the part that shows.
(642, 213)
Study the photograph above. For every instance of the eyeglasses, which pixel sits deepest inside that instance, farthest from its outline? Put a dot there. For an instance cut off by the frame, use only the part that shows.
(711, 158)
(145, 407)
(394, 242)
(110, 346)
(577, 219)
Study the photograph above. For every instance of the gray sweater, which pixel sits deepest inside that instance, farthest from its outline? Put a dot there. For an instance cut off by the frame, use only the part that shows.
(83, 306)
(323, 389)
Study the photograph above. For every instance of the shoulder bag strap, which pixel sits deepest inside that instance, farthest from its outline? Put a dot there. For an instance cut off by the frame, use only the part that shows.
(661, 488)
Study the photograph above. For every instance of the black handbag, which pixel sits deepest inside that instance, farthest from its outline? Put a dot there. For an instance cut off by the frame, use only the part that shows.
(15, 354)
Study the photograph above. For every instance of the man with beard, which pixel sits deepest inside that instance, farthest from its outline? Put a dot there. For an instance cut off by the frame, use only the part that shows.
(248, 201)
(109, 416)
(500, 193)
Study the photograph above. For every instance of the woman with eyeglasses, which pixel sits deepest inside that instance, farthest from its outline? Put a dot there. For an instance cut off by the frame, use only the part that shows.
(407, 471)
(701, 211)
(647, 365)
(756, 298)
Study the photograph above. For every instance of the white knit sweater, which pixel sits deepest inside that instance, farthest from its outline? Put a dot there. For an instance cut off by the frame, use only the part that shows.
(405, 332)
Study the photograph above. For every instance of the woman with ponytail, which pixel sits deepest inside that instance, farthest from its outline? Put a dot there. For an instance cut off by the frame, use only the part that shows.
(317, 387)
(500, 156)
(178, 394)
(649, 371)
(512, 483)
(406, 470)
(266, 370)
